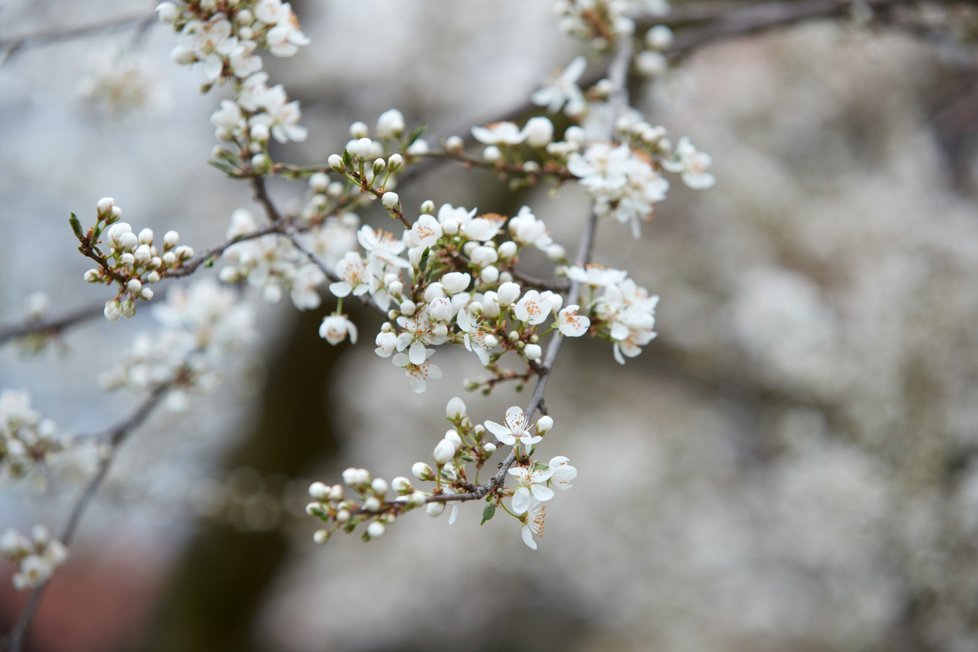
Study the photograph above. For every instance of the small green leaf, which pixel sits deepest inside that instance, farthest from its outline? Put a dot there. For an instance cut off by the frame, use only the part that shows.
(76, 226)
(488, 512)
(416, 133)
(423, 263)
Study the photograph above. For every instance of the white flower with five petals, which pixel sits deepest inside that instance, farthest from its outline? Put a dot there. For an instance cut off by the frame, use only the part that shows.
(533, 482)
(514, 430)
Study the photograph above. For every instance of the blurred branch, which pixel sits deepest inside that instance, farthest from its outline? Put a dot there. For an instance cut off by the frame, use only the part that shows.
(11, 45)
(113, 438)
(53, 326)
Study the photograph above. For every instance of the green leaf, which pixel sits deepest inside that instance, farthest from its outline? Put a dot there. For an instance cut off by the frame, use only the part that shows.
(225, 167)
(76, 226)
(423, 263)
(416, 133)
(488, 512)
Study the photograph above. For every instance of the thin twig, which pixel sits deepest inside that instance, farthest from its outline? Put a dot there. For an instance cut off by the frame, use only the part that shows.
(11, 45)
(331, 274)
(114, 438)
(52, 326)
(263, 198)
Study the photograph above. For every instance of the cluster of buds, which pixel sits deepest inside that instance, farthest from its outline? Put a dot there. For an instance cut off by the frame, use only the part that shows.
(458, 458)
(26, 439)
(651, 61)
(37, 556)
(131, 261)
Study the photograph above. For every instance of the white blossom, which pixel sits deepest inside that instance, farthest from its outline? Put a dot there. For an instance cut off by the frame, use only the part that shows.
(564, 90)
(336, 328)
(514, 430)
(532, 483)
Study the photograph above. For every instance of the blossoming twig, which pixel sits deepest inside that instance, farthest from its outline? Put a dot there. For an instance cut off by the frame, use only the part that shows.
(110, 441)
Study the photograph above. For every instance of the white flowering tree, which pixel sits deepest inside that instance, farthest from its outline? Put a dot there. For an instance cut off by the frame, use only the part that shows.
(439, 275)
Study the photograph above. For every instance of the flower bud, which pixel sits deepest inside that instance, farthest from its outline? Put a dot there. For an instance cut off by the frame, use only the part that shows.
(545, 424)
(318, 491)
(146, 236)
(375, 530)
(539, 131)
(455, 408)
(395, 162)
(532, 351)
(491, 154)
(508, 294)
(335, 161)
(454, 144)
(359, 130)
(489, 275)
(444, 452)
(320, 536)
(428, 207)
(259, 133)
(363, 148)
(659, 37)
(507, 249)
(167, 12)
(455, 282)
(170, 239)
(435, 509)
(390, 124)
(372, 504)
(422, 471)
(105, 204)
(318, 182)
(489, 447)
(390, 200)
(452, 435)
(400, 484)
(379, 485)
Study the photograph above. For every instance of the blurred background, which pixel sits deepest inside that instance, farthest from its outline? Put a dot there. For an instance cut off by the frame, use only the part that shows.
(791, 465)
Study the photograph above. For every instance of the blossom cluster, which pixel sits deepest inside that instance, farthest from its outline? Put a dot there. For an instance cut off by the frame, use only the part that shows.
(363, 500)
(619, 309)
(26, 439)
(225, 39)
(131, 261)
(36, 556)
(600, 22)
(200, 325)
(270, 263)
(449, 278)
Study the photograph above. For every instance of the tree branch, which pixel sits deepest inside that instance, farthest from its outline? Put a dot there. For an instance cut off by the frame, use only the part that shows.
(11, 45)
(113, 438)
